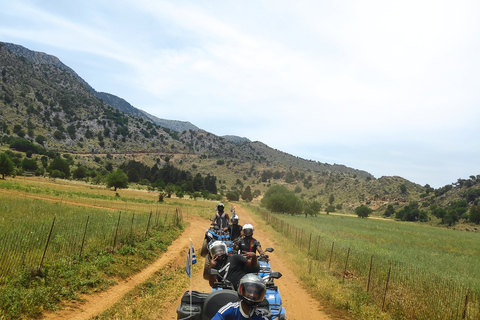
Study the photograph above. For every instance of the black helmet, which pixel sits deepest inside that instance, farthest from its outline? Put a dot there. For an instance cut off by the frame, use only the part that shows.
(252, 289)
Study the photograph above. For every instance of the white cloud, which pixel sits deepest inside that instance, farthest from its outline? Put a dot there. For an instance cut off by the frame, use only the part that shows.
(357, 74)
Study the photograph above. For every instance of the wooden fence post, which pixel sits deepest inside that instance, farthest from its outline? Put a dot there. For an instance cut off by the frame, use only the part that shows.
(46, 245)
(386, 288)
(346, 263)
(370, 273)
(131, 225)
(331, 254)
(464, 314)
(116, 231)
(84, 235)
(309, 242)
(148, 224)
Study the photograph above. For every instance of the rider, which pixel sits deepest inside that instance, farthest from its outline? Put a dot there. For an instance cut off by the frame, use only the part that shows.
(231, 267)
(251, 292)
(235, 229)
(221, 217)
(248, 243)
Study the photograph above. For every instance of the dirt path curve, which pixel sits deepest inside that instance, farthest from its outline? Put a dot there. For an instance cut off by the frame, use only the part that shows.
(298, 303)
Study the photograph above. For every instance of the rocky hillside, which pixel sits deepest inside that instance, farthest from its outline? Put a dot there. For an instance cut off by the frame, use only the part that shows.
(46, 102)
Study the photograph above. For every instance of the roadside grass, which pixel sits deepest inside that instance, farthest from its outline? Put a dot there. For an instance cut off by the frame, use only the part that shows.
(27, 294)
(433, 270)
(150, 299)
(29, 206)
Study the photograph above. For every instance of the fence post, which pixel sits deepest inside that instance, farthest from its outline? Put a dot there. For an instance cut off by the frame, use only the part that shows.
(131, 226)
(370, 273)
(84, 235)
(346, 263)
(309, 243)
(386, 288)
(148, 224)
(46, 245)
(116, 231)
(464, 314)
(318, 245)
(331, 254)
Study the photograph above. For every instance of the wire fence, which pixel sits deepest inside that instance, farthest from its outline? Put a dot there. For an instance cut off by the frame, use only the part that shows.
(406, 291)
(32, 246)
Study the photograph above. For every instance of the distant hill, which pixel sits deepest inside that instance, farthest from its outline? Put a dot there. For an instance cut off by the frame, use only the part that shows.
(110, 99)
(46, 103)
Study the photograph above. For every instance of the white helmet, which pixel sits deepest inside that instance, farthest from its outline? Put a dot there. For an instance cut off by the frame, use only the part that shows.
(248, 230)
(217, 248)
(235, 219)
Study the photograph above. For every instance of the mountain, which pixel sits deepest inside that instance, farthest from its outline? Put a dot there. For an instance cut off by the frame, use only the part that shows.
(45, 103)
(110, 99)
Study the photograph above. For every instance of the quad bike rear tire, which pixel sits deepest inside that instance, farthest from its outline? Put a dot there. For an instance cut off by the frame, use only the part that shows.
(204, 250)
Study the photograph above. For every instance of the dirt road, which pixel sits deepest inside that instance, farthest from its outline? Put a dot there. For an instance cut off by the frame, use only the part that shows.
(298, 303)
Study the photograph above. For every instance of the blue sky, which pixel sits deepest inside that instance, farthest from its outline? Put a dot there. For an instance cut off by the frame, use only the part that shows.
(390, 87)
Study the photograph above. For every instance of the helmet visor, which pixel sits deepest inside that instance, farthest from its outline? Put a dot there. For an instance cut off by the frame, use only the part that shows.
(218, 250)
(252, 291)
(248, 232)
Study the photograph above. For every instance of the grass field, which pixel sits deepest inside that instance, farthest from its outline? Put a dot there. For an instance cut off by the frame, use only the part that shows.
(60, 239)
(430, 273)
(451, 254)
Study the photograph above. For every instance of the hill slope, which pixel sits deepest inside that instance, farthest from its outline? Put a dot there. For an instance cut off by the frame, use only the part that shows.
(46, 102)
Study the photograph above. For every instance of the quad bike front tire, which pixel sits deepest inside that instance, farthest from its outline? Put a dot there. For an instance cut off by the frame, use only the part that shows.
(206, 267)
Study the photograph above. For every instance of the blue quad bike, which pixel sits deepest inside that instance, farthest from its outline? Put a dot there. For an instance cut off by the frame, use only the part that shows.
(214, 233)
(273, 293)
(203, 306)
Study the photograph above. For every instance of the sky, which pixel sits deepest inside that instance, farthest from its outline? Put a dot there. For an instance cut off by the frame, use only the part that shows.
(389, 87)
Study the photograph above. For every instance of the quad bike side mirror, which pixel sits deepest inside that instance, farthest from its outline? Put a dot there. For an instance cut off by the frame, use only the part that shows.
(269, 250)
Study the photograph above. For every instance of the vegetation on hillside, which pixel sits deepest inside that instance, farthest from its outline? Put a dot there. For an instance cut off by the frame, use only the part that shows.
(52, 125)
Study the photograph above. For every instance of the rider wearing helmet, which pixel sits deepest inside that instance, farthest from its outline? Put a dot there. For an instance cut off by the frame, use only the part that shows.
(251, 291)
(221, 217)
(235, 229)
(248, 243)
(231, 267)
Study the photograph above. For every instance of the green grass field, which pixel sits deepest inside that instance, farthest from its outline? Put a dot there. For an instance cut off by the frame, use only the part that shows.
(430, 273)
(450, 254)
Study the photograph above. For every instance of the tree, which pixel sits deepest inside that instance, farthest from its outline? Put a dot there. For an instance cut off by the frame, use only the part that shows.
(117, 179)
(6, 165)
(474, 216)
(29, 165)
(330, 208)
(331, 199)
(233, 196)
(363, 211)
(279, 199)
(312, 208)
(390, 211)
(79, 173)
(403, 189)
(247, 194)
(60, 165)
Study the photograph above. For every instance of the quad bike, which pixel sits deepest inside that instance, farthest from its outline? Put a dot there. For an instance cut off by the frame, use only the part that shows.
(214, 233)
(204, 306)
(273, 293)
